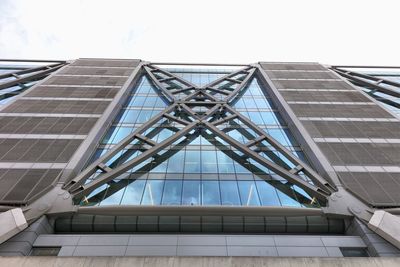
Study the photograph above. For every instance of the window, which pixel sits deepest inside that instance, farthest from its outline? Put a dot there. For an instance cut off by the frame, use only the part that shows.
(354, 252)
(45, 251)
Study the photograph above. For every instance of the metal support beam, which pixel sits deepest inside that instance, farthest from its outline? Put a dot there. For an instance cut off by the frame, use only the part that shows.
(311, 189)
(37, 73)
(376, 84)
(185, 113)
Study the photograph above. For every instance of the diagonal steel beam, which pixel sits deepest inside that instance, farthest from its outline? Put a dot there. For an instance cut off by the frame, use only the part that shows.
(115, 186)
(88, 171)
(230, 98)
(166, 93)
(43, 72)
(108, 176)
(316, 178)
(294, 179)
(223, 78)
(173, 76)
(279, 185)
(355, 78)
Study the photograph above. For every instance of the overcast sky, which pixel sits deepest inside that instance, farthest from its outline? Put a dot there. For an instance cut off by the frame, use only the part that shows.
(220, 31)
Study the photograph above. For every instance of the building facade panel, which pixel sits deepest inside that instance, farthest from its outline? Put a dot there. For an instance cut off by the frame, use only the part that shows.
(45, 126)
(357, 134)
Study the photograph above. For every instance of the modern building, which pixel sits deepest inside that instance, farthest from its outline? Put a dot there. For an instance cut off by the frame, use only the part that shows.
(119, 157)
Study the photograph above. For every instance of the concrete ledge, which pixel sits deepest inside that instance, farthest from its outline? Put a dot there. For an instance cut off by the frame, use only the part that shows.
(196, 261)
(11, 223)
(387, 226)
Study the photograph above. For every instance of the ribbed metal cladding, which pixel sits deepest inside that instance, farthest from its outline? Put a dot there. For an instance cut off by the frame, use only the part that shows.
(352, 129)
(57, 106)
(366, 162)
(73, 91)
(31, 163)
(45, 125)
(324, 96)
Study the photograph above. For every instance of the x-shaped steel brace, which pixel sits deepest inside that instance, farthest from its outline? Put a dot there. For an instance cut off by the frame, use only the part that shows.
(195, 109)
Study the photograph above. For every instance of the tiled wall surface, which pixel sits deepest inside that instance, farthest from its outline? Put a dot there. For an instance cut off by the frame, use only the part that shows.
(199, 245)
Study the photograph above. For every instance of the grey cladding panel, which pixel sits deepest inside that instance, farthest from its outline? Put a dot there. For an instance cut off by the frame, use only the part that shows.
(76, 92)
(378, 189)
(97, 71)
(311, 84)
(340, 111)
(33, 150)
(362, 154)
(21, 185)
(45, 125)
(301, 75)
(291, 66)
(78, 80)
(353, 129)
(324, 96)
(57, 106)
(106, 63)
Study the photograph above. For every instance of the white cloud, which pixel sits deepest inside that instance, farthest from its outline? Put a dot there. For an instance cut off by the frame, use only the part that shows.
(332, 32)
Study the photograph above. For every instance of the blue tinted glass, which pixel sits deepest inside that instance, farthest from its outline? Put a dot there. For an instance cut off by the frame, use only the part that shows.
(288, 199)
(249, 102)
(229, 193)
(150, 101)
(144, 116)
(268, 118)
(210, 193)
(130, 116)
(153, 192)
(175, 162)
(121, 133)
(279, 135)
(133, 193)
(137, 101)
(255, 117)
(267, 194)
(262, 103)
(248, 193)
(191, 193)
(113, 198)
(225, 163)
(240, 104)
(172, 193)
(208, 162)
(192, 162)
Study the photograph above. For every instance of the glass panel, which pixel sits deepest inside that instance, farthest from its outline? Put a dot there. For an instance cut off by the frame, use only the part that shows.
(268, 194)
(172, 193)
(208, 162)
(153, 192)
(191, 193)
(175, 163)
(192, 162)
(248, 193)
(133, 193)
(210, 193)
(229, 193)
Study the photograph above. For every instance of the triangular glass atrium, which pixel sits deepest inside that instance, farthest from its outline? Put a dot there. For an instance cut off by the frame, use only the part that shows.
(215, 139)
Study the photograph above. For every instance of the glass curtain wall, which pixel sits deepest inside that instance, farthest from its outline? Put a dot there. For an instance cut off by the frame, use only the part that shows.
(202, 171)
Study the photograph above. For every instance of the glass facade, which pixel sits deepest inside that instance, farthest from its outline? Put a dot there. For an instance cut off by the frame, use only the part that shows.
(201, 170)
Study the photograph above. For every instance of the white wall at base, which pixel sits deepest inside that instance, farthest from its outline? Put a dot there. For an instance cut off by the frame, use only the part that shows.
(387, 226)
(12, 222)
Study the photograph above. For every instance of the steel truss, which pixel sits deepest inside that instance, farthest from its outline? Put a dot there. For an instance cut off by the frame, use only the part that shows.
(374, 83)
(25, 75)
(195, 111)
